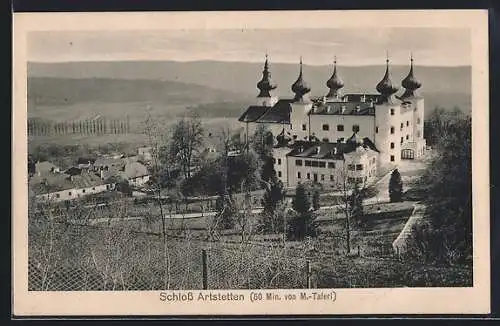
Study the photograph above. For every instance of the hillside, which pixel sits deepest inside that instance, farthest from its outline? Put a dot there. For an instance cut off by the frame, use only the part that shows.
(213, 89)
(241, 77)
(49, 91)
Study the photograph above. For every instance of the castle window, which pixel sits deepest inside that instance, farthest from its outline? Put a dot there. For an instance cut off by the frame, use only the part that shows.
(359, 167)
(326, 127)
(331, 177)
(407, 137)
(392, 111)
(279, 174)
(331, 165)
(418, 120)
(304, 127)
(401, 126)
(392, 145)
(322, 177)
(322, 164)
(351, 167)
(298, 162)
(401, 140)
(299, 175)
(355, 128)
(307, 163)
(314, 164)
(308, 176)
(340, 140)
(376, 130)
(83, 190)
(407, 123)
(340, 127)
(279, 161)
(58, 195)
(392, 158)
(392, 130)
(69, 193)
(325, 140)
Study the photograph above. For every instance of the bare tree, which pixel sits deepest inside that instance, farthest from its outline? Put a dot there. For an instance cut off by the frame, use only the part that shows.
(187, 137)
(153, 133)
(350, 195)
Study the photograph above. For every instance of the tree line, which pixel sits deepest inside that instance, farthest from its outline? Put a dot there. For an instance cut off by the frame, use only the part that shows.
(37, 127)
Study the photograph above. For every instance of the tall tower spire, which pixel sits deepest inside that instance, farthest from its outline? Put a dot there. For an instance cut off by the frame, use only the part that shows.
(265, 85)
(335, 83)
(385, 86)
(300, 87)
(410, 83)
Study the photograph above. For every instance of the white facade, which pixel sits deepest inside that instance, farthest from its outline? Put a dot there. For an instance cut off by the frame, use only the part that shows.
(69, 194)
(358, 166)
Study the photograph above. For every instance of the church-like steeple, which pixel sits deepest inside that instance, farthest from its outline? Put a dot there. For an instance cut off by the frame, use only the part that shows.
(265, 85)
(410, 83)
(300, 87)
(385, 86)
(335, 83)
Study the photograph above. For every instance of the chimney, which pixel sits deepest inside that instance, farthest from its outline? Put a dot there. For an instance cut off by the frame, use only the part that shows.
(363, 98)
(318, 149)
(335, 151)
(342, 108)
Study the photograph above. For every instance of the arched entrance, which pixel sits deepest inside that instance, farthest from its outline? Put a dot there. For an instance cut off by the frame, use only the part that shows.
(407, 154)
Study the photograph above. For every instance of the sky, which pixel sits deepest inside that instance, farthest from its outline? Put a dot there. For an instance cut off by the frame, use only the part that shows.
(352, 47)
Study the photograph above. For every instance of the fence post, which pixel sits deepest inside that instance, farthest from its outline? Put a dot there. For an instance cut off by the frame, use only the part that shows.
(204, 268)
(308, 273)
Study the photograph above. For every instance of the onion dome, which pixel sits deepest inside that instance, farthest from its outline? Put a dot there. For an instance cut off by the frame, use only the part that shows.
(410, 83)
(385, 86)
(300, 87)
(282, 138)
(334, 83)
(265, 85)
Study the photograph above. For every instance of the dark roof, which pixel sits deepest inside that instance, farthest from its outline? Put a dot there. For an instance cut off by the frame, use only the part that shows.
(279, 113)
(326, 150)
(350, 108)
(85, 160)
(253, 113)
(357, 97)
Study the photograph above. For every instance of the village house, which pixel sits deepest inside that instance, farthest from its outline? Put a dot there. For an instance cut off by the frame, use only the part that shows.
(70, 184)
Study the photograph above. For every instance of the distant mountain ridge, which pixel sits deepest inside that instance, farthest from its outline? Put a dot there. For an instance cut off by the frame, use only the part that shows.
(241, 77)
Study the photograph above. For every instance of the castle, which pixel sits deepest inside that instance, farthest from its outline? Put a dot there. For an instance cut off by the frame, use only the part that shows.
(340, 138)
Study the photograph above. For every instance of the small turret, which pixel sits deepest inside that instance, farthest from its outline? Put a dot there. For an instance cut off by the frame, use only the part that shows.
(265, 85)
(385, 86)
(335, 83)
(300, 87)
(410, 83)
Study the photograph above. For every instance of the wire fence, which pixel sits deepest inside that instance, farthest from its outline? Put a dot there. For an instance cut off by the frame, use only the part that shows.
(64, 257)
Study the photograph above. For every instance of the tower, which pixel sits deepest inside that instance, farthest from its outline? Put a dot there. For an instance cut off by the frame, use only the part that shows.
(301, 107)
(387, 121)
(335, 83)
(411, 84)
(265, 86)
